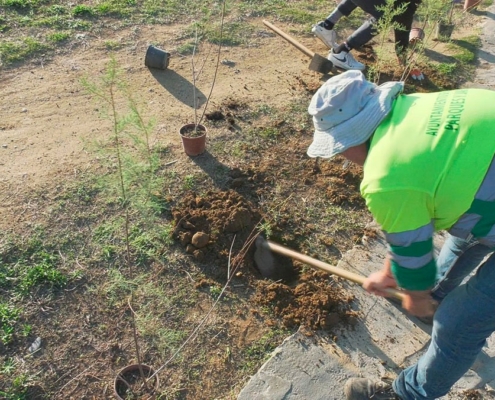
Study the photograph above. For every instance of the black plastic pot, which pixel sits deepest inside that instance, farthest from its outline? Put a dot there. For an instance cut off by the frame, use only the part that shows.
(130, 378)
(156, 58)
(444, 31)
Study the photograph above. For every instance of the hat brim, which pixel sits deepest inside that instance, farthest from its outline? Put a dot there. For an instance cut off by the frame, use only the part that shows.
(356, 130)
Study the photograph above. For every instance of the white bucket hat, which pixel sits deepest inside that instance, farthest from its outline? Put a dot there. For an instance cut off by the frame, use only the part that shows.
(346, 111)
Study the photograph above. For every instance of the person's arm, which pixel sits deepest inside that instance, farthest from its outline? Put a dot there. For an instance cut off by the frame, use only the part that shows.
(405, 21)
(406, 219)
(416, 302)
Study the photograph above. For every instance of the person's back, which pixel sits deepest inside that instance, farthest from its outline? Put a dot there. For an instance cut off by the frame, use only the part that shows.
(434, 148)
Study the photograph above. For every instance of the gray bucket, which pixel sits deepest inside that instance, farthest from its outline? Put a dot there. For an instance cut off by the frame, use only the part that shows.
(156, 58)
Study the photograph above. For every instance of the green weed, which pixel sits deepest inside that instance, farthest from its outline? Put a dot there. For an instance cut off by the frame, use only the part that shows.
(446, 68)
(45, 272)
(465, 49)
(259, 351)
(58, 37)
(9, 316)
(18, 51)
(112, 45)
(189, 182)
(8, 366)
(186, 48)
(83, 10)
(56, 9)
(18, 4)
(268, 132)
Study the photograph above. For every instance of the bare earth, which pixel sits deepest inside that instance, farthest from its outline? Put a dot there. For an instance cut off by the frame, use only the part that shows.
(48, 131)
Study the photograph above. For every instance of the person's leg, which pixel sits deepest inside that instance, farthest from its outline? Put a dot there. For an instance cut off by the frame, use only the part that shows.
(367, 30)
(324, 29)
(462, 323)
(457, 259)
(340, 55)
(405, 20)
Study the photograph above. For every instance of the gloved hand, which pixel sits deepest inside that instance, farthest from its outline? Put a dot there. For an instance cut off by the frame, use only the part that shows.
(417, 75)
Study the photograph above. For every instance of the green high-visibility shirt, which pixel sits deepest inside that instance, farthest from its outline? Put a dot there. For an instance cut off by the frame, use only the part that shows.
(425, 164)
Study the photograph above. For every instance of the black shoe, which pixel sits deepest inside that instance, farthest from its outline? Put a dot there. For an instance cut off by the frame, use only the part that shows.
(364, 389)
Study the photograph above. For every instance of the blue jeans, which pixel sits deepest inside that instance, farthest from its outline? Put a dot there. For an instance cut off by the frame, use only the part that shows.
(457, 259)
(462, 322)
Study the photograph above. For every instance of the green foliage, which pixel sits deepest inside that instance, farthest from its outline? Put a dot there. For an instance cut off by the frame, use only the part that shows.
(260, 350)
(83, 10)
(112, 45)
(268, 132)
(465, 49)
(446, 68)
(18, 385)
(134, 183)
(189, 182)
(435, 10)
(186, 49)
(56, 9)
(17, 4)
(17, 51)
(58, 37)
(8, 319)
(43, 272)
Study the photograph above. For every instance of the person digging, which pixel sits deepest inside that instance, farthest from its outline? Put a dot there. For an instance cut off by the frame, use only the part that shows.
(340, 53)
(428, 165)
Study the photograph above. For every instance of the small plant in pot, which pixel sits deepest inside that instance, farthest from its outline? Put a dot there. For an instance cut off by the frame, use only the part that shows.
(445, 25)
(193, 135)
(136, 381)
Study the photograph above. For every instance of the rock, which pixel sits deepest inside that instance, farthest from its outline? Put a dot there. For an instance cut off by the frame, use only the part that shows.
(187, 225)
(199, 254)
(239, 218)
(185, 238)
(35, 345)
(200, 239)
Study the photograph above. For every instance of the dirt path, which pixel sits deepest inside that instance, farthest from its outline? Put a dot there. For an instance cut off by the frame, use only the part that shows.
(48, 116)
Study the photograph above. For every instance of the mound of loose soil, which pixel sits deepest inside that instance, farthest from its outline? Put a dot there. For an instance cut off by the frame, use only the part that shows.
(206, 226)
(210, 225)
(316, 301)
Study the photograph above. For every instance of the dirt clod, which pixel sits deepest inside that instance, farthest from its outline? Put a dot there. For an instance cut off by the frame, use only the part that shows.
(316, 302)
(200, 239)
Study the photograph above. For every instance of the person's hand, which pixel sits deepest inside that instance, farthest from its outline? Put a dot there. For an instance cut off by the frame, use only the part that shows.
(419, 303)
(377, 282)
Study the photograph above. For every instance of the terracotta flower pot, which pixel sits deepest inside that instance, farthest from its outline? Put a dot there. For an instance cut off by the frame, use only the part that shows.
(193, 139)
(416, 35)
(129, 383)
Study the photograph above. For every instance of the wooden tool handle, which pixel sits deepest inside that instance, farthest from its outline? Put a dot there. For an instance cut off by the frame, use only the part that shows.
(290, 39)
(351, 276)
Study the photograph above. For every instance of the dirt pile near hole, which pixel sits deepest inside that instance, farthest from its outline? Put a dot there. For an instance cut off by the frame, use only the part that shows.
(316, 301)
(208, 226)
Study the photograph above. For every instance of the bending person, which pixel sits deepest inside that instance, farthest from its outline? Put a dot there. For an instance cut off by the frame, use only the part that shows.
(428, 165)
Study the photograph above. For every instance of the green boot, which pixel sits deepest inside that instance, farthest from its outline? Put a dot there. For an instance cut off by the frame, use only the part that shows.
(364, 389)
